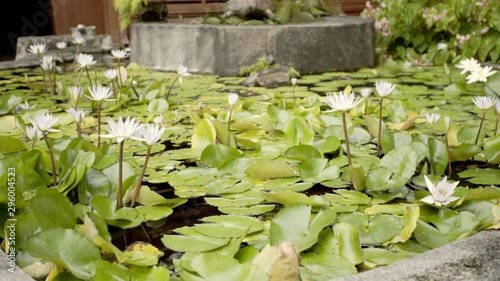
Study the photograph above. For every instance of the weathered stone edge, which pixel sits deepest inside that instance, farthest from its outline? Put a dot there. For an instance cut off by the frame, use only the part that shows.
(476, 258)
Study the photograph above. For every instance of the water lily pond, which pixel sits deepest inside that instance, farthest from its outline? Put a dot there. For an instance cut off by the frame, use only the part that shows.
(271, 193)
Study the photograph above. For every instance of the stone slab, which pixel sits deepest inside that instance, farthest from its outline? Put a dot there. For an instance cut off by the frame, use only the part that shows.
(6, 275)
(339, 43)
(92, 45)
(476, 258)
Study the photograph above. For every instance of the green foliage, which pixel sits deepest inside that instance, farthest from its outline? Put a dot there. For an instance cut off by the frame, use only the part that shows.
(127, 9)
(263, 63)
(437, 31)
(286, 12)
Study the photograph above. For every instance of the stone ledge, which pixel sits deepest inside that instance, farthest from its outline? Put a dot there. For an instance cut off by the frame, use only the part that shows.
(473, 259)
(332, 44)
(6, 275)
(92, 45)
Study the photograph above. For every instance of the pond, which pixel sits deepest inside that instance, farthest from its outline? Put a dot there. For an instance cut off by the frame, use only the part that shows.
(221, 201)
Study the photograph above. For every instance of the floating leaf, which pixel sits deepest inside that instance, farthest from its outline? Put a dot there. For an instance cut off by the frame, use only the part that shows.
(270, 169)
(297, 131)
(52, 209)
(67, 248)
(429, 236)
(203, 135)
(438, 156)
(464, 152)
(492, 149)
(302, 152)
(216, 155)
(194, 243)
(11, 145)
(290, 224)
(158, 106)
(247, 211)
(411, 216)
(349, 242)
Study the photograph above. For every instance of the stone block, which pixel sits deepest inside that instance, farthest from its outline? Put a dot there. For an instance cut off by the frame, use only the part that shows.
(332, 44)
(92, 45)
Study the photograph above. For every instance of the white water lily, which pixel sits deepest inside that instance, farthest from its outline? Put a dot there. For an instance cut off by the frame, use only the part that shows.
(14, 101)
(149, 133)
(441, 194)
(158, 119)
(484, 102)
(342, 101)
(432, 118)
(384, 88)
(61, 45)
(468, 65)
(33, 133)
(111, 73)
(119, 54)
(26, 106)
(232, 98)
(122, 130)
(182, 71)
(85, 60)
(75, 94)
(480, 74)
(365, 92)
(44, 122)
(100, 93)
(37, 49)
(47, 63)
(78, 115)
(442, 46)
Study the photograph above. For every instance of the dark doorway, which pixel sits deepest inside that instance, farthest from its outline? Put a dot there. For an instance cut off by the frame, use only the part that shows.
(23, 18)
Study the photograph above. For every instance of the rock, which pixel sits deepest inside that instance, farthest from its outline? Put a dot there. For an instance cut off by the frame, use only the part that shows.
(251, 80)
(273, 79)
(268, 78)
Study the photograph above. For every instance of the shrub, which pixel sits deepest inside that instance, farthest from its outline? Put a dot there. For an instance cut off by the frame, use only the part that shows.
(437, 31)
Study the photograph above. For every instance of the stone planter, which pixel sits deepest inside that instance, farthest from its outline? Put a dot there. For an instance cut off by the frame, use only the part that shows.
(332, 44)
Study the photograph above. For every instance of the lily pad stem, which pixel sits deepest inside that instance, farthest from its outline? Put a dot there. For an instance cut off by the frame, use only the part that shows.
(448, 152)
(496, 125)
(346, 136)
(88, 75)
(120, 82)
(98, 124)
(79, 77)
(50, 83)
(52, 160)
(379, 134)
(139, 182)
(480, 127)
(229, 120)
(79, 129)
(171, 86)
(119, 195)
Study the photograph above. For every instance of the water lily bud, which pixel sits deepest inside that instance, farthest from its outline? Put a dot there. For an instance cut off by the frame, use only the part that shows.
(447, 123)
(232, 98)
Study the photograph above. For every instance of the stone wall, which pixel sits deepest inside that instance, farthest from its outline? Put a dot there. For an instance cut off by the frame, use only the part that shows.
(335, 43)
